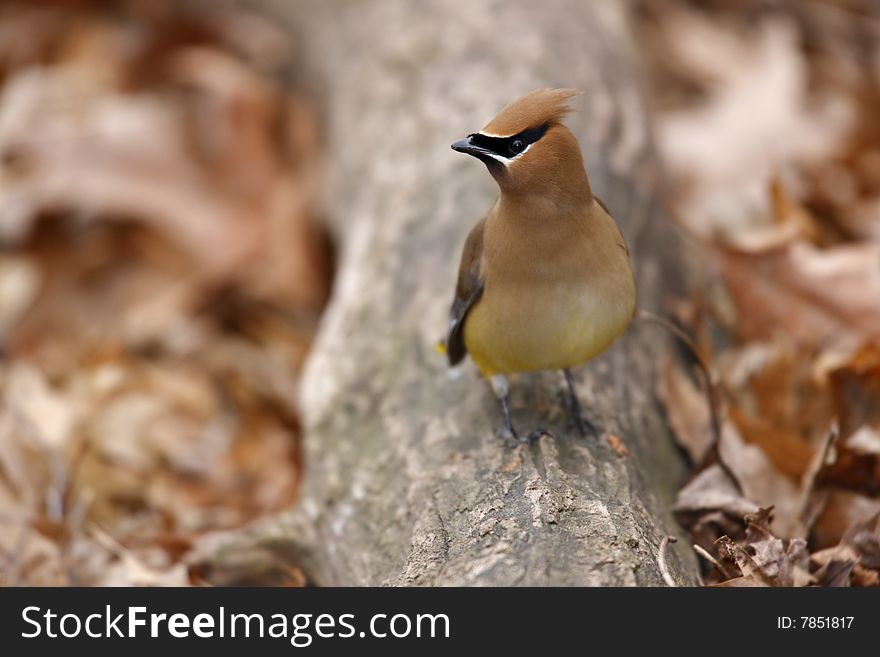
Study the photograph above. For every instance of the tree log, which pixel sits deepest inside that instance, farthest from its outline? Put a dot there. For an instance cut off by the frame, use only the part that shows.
(405, 481)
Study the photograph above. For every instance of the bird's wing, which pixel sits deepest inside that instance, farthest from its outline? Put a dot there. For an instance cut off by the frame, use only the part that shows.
(602, 205)
(467, 292)
(621, 242)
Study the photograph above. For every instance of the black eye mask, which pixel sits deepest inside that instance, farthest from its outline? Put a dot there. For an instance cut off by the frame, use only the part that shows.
(512, 146)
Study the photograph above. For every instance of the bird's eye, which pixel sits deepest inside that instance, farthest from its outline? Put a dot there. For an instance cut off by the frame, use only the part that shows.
(517, 146)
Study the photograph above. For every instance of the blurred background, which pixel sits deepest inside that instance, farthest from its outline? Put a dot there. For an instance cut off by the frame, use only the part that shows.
(161, 277)
(164, 267)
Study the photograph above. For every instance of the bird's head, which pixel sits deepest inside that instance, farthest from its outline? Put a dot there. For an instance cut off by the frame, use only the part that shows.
(528, 150)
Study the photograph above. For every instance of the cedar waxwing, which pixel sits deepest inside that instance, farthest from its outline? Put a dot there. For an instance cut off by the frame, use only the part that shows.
(545, 280)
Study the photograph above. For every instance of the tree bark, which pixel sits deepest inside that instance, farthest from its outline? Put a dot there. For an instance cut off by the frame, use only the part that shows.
(405, 480)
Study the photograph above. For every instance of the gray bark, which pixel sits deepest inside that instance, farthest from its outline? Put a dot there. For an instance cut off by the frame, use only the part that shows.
(405, 480)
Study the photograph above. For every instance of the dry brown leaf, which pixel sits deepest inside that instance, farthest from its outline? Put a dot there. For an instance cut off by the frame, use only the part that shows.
(783, 562)
(835, 573)
(713, 490)
(754, 109)
(864, 577)
(813, 296)
(855, 561)
(856, 392)
(787, 451)
(741, 582)
(776, 402)
(734, 554)
(842, 510)
(864, 538)
(687, 410)
(761, 482)
(211, 562)
(757, 113)
(162, 281)
(762, 558)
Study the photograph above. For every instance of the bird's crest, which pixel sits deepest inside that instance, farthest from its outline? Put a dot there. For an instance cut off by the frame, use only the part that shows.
(536, 108)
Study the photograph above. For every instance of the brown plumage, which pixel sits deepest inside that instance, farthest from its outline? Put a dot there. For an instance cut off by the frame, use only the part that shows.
(536, 107)
(545, 280)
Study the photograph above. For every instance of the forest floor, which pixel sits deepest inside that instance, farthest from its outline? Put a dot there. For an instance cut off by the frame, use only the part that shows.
(767, 128)
(162, 275)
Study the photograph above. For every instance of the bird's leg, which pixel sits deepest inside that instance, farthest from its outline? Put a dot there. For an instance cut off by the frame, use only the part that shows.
(500, 388)
(577, 416)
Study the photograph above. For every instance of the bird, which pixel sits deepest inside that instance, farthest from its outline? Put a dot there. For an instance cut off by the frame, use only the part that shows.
(545, 280)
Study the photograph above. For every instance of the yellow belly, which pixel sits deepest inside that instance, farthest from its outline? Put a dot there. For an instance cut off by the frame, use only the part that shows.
(542, 326)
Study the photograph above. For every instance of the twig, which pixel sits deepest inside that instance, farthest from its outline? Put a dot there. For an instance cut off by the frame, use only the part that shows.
(711, 388)
(661, 560)
(712, 560)
(812, 475)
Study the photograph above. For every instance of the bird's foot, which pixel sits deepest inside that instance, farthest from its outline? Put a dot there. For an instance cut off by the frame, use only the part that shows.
(510, 436)
(536, 434)
(576, 418)
(585, 427)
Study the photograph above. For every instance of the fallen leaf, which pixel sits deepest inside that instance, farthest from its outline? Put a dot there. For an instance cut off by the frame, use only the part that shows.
(842, 510)
(687, 410)
(712, 489)
(813, 296)
(756, 72)
(864, 538)
(761, 482)
(162, 280)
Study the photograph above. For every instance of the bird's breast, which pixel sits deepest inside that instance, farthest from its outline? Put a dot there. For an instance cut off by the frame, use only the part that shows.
(522, 325)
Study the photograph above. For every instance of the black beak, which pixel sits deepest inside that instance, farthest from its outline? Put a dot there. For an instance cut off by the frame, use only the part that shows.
(467, 146)
(486, 156)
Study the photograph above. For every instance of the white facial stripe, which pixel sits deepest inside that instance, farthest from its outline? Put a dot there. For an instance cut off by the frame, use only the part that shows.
(489, 134)
(506, 161)
(500, 158)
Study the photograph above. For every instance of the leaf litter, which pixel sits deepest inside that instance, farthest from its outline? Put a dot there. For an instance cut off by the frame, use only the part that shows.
(766, 122)
(161, 278)
(162, 275)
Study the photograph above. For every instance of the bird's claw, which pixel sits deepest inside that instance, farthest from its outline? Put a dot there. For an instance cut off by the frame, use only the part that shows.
(585, 427)
(535, 435)
(576, 418)
(510, 436)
